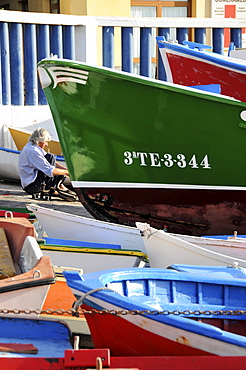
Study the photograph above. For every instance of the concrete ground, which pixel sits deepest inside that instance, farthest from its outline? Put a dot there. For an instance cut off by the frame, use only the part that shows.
(12, 195)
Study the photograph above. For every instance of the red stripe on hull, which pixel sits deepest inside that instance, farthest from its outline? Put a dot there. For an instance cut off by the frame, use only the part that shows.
(189, 72)
(79, 359)
(180, 362)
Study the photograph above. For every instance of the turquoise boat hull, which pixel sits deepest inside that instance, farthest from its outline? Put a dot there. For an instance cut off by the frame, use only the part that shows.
(139, 149)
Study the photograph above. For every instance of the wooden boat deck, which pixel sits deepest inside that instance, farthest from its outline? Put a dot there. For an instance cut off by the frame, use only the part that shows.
(6, 262)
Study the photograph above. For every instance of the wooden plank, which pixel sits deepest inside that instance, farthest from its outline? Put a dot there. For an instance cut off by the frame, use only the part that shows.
(6, 263)
(18, 348)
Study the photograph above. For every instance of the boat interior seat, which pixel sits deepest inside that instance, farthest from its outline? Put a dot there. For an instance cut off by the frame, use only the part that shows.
(7, 268)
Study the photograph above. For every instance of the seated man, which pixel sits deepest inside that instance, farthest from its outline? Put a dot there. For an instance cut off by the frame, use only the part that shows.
(39, 170)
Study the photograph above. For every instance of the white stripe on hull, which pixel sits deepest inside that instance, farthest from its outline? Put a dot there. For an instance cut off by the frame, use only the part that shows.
(138, 185)
(171, 333)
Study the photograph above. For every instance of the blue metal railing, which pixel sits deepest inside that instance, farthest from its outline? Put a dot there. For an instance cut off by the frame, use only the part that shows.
(27, 38)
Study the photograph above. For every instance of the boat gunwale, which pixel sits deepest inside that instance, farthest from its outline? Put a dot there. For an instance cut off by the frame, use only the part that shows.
(238, 65)
(106, 251)
(49, 62)
(119, 302)
(162, 235)
(89, 221)
(113, 275)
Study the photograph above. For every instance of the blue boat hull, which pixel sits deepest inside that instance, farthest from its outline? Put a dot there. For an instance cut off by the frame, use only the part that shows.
(50, 338)
(189, 323)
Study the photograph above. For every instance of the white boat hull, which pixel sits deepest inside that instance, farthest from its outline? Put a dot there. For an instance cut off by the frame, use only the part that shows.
(90, 262)
(71, 227)
(168, 333)
(165, 249)
(9, 165)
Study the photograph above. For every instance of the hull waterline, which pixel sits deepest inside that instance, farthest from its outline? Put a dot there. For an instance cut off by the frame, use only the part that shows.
(191, 212)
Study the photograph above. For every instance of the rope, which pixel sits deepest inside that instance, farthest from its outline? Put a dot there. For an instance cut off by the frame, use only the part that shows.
(147, 231)
(79, 302)
(2, 273)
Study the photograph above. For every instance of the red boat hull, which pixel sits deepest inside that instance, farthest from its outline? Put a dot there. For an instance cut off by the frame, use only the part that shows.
(188, 71)
(126, 339)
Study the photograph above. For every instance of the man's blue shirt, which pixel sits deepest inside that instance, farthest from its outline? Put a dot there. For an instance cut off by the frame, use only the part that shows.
(31, 159)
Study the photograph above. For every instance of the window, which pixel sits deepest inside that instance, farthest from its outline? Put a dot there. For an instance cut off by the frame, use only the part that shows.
(5, 7)
(161, 4)
(23, 6)
(54, 6)
(156, 8)
(145, 11)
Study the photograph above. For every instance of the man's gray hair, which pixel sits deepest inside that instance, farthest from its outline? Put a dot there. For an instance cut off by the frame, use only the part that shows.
(40, 135)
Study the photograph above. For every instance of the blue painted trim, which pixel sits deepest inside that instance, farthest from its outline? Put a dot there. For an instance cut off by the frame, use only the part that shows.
(145, 51)
(218, 40)
(30, 65)
(10, 150)
(219, 271)
(58, 157)
(223, 237)
(56, 41)
(200, 35)
(182, 34)
(80, 244)
(196, 45)
(69, 42)
(213, 88)
(43, 36)
(16, 64)
(1, 94)
(236, 37)
(108, 47)
(5, 62)
(164, 34)
(230, 48)
(127, 49)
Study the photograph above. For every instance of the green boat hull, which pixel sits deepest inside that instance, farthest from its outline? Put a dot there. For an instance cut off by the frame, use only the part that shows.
(140, 149)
